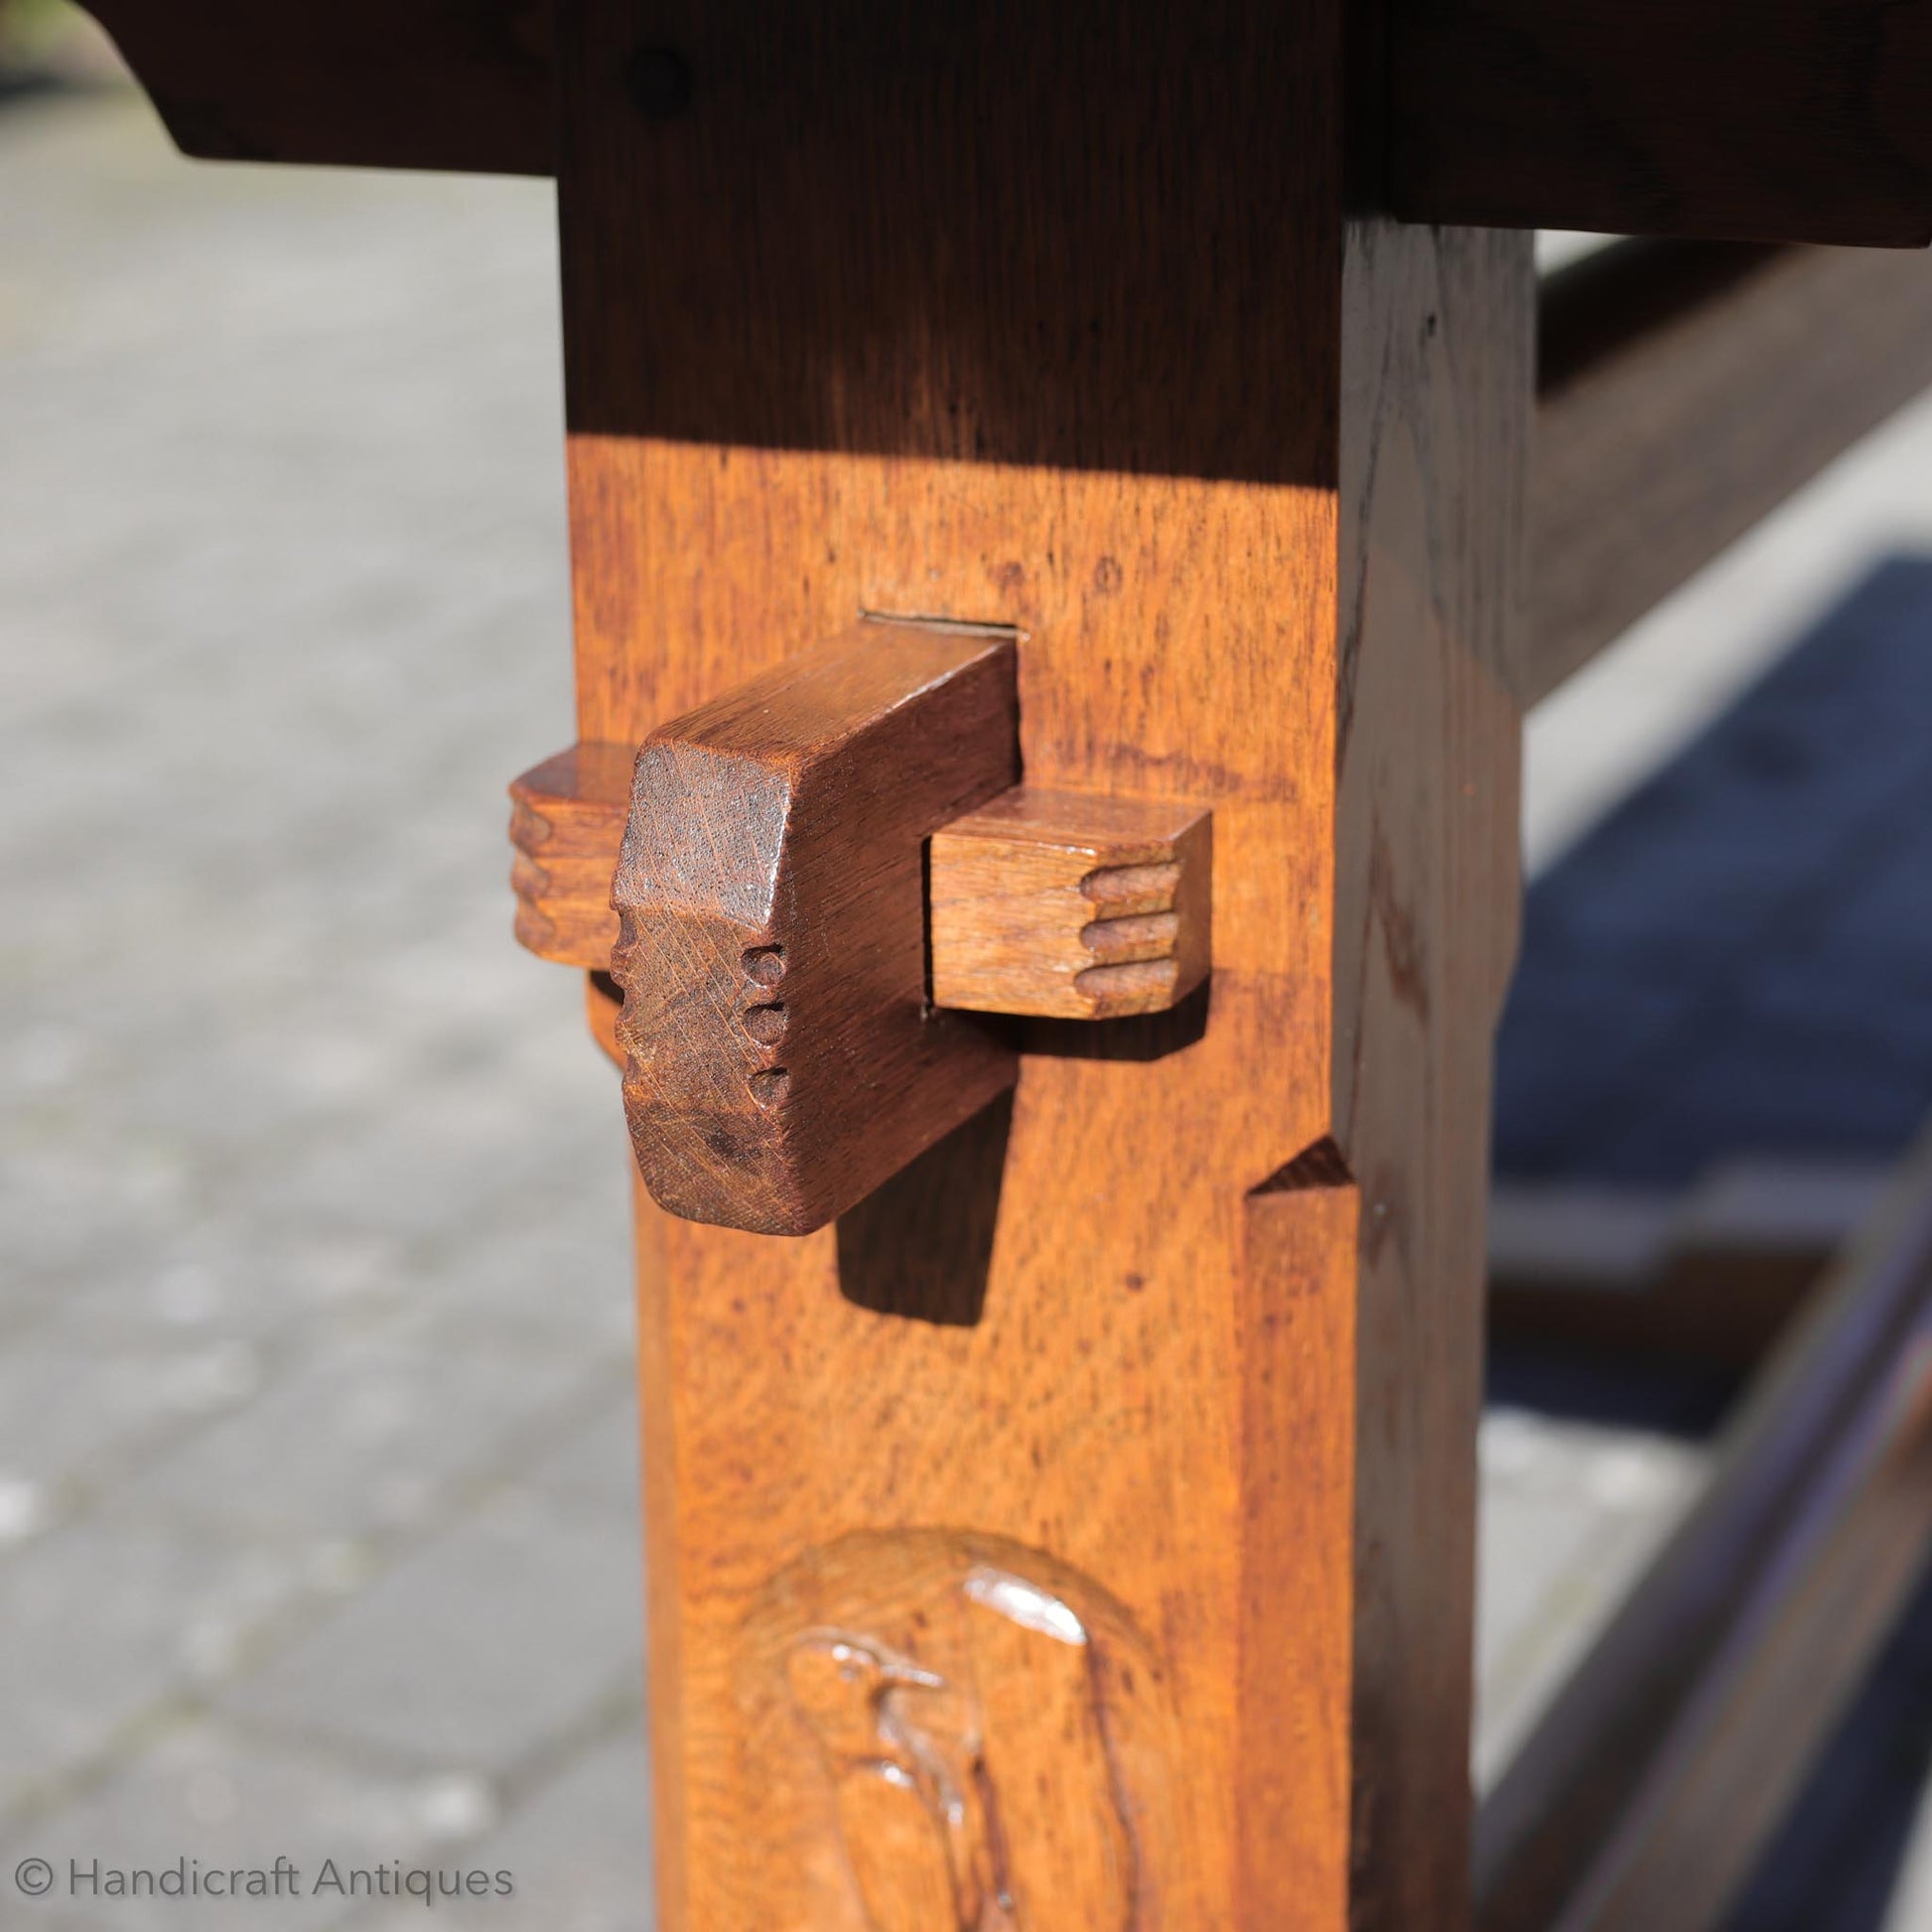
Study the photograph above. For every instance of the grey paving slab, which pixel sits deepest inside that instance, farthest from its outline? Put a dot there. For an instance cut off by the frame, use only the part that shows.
(204, 1277)
(491, 1644)
(283, 607)
(596, 1465)
(368, 1436)
(111, 1620)
(1571, 1512)
(536, 1280)
(202, 1799)
(71, 1410)
(578, 1854)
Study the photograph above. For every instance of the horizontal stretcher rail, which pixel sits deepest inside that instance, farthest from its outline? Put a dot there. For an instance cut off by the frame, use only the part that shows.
(1685, 391)
(1729, 118)
(1672, 1751)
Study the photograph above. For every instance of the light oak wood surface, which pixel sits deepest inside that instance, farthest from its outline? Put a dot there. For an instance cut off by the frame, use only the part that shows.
(1285, 587)
(1059, 905)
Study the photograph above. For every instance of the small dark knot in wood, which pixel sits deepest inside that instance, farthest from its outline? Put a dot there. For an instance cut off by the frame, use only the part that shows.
(659, 82)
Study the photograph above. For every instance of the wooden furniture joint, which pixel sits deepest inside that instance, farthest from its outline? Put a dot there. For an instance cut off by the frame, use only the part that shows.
(567, 827)
(1681, 395)
(1055, 903)
(1062, 905)
(768, 916)
(1081, 1532)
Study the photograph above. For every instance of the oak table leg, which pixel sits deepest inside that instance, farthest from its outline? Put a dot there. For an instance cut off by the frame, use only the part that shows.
(1078, 1534)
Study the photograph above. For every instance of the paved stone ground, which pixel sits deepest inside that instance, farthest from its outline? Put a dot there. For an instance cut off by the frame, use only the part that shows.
(317, 1519)
(317, 1435)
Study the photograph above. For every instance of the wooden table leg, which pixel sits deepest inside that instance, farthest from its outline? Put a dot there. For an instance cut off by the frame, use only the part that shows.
(1079, 1534)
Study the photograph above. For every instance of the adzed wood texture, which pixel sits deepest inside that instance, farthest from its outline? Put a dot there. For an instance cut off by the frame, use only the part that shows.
(1638, 1803)
(781, 1058)
(1754, 121)
(1684, 392)
(1058, 905)
(1052, 318)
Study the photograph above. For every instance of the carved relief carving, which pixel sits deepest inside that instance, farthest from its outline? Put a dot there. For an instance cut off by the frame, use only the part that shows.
(966, 1736)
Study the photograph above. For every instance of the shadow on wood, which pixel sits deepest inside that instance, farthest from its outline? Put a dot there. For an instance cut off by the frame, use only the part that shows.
(1143, 1037)
(922, 1246)
(1088, 176)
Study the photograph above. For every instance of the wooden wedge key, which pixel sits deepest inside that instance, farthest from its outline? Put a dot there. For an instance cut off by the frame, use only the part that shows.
(780, 1057)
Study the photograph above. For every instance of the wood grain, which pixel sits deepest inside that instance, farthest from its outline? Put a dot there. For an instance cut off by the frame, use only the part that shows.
(1297, 1348)
(781, 1058)
(1802, 120)
(1686, 393)
(1053, 903)
(460, 85)
(1248, 478)
(1436, 420)
(1672, 1752)
(1799, 123)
